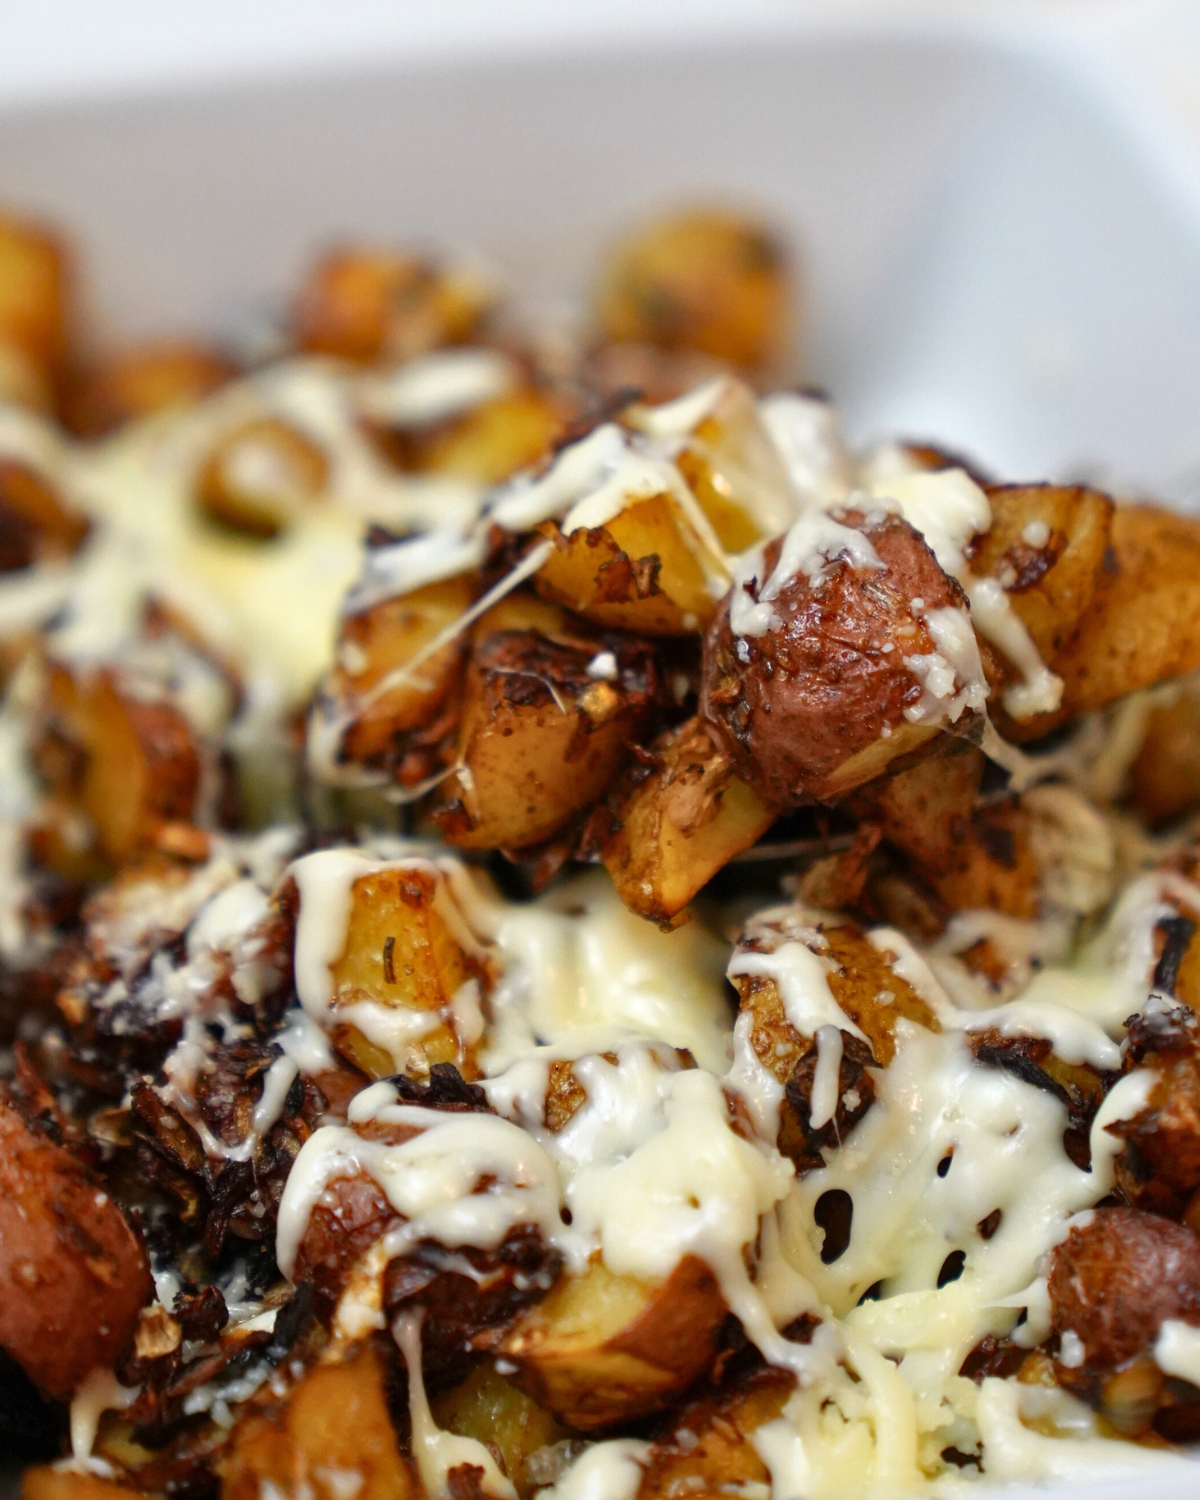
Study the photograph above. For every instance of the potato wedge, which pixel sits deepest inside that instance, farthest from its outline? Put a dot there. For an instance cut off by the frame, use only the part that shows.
(706, 280)
(73, 1274)
(541, 737)
(492, 1410)
(364, 304)
(139, 381)
(33, 313)
(647, 569)
(830, 693)
(602, 1349)
(36, 524)
(674, 825)
(403, 954)
(1143, 625)
(1046, 547)
(332, 1436)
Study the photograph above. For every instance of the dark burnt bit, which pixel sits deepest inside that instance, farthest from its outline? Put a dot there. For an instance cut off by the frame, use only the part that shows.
(1177, 933)
(446, 1089)
(993, 1356)
(856, 1094)
(201, 1314)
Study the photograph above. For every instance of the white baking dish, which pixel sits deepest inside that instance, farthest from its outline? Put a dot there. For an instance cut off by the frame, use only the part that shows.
(995, 254)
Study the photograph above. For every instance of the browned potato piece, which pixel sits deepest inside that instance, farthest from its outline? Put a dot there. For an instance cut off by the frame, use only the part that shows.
(645, 570)
(1113, 1283)
(710, 1450)
(1142, 627)
(492, 1410)
(1164, 781)
(488, 444)
(401, 953)
(816, 707)
(36, 524)
(140, 381)
(258, 478)
(1050, 584)
(601, 1348)
(73, 1274)
(398, 728)
(670, 831)
(33, 292)
(128, 766)
(705, 279)
(332, 1430)
(1159, 1170)
(540, 739)
(367, 304)
(48, 1483)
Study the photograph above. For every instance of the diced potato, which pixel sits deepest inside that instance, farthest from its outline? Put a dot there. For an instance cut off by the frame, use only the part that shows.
(711, 1449)
(1046, 547)
(645, 570)
(493, 1411)
(259, 478)
(707, 280)
(331, 1438)
(127, 765)
(33, 293)
(142, 380)
(601, 1348)
(44, 1482)
(540, 739)
(488, 444)
(402, 952)
(1164, 780)
(367, 304)
(36, 524)
(1142, 627)
(377, 644)
(677, 826)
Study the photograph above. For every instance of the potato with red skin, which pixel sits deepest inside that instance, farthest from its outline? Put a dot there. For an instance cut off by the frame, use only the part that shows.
(816, 707)
(1113, 1283)
(73, 1273)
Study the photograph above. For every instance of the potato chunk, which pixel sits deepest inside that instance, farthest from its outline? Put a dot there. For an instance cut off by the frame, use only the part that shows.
(48, 1483)
(492, 1410)
(33, 294)
(706, 280)
(488, 443)
(366, 304)
(675, 823)
(602, 1348)
(260, 477)
(139, 381)
(1164, 780)
(73, 1274)
(332, 1437)
(647, 569)
(1159, 1170)
(404, 952)
(36, 524)
(542, 735)
(828, 696)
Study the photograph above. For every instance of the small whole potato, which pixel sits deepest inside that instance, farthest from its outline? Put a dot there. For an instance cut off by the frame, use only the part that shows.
(824, 699)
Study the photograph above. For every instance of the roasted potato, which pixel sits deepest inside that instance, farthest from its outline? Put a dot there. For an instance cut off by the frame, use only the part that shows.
(602, 1348)
(488, 443)
(647, 569)
(46, 1482)
(33, 313)
(142, 380)
(1164, 780)
(367, 304)
(823, 700)
(1159, 1169)
(493, 1411)
(543, 734)
(676, 821)
(259, 478)
(36, 524)
(73, 1274)
(1113, 1283)
(705, 280)
(331, 1436)
(404, 952)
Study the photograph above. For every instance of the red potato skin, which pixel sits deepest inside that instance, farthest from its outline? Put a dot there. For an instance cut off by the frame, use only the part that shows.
(73, 1273)
(823, 688)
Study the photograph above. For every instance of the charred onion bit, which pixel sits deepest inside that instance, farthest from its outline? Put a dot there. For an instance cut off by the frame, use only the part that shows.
(1113, 1283)
(73, 1273)
(798, 705)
